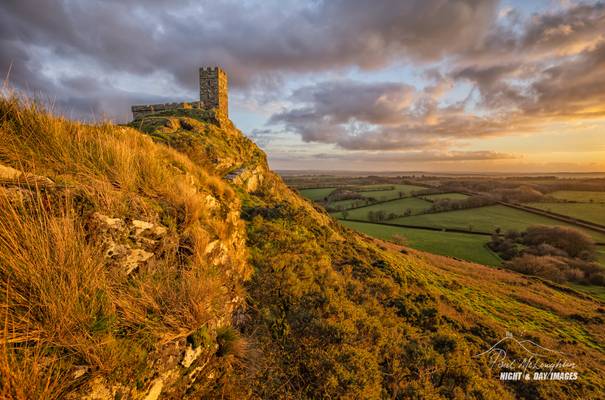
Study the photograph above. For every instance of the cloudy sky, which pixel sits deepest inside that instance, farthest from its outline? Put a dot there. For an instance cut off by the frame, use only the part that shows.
(433, 85)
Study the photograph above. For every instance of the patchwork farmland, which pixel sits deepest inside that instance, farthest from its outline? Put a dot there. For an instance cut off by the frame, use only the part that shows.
(459, 219)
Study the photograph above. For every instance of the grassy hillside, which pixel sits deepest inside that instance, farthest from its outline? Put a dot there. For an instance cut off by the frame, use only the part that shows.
(116, 254)
(249, 291)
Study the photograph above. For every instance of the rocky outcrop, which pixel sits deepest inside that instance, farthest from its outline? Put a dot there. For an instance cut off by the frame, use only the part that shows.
(250, 179)
(127, 244)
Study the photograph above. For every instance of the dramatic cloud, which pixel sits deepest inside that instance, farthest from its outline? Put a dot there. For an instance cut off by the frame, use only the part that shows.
(256, 41)
(534, 83)
(381, 116)
(474, 69)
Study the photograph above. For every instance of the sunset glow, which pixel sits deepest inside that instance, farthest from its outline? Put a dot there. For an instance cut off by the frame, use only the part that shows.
(509, 86)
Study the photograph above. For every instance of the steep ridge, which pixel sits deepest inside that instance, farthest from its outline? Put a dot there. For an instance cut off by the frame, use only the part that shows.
(165, 260)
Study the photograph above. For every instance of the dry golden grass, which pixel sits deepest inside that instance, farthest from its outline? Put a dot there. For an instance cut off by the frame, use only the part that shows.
(61, 306)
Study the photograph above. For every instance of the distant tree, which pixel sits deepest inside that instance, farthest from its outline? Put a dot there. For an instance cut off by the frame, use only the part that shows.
(547, 267)
(572, 241)
(371, 216)
(512, 234)
(345, 214)
(381, 215)
(598, 279)
(407, 212)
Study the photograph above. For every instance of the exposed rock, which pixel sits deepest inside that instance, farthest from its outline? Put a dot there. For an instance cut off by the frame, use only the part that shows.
(156, 389)
(249, 179)
(148, 228)
(127, 245)
(135, 258)
(109, 223)
(191, 354)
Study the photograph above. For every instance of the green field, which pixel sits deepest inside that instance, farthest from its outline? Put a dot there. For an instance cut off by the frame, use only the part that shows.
(448, 196)
(582, 197)
(460, 245)
(316, 194)
(485, 219)
(376, 187)
(344, 204)
(595, 291)
(395, 206)
(591, 212)
(601, 254)
(390, 193)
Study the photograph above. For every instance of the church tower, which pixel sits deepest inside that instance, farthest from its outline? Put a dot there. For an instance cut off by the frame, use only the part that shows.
(213, 89)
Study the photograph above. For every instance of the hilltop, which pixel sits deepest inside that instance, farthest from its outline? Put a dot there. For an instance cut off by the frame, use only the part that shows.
(164, 259)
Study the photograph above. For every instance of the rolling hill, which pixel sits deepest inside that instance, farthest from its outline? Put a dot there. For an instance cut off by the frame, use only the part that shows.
(164, 259)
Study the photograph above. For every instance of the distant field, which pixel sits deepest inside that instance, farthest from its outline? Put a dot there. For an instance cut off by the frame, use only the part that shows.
(449, 196)
(584, 197)
(601, 254)
(391, 193)
(316, 194)
(485, 219)
(386, 194)
(595, 291)
(591, 212)
(460, 245)
(376, 187)
(395, 206)
(348, 203)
